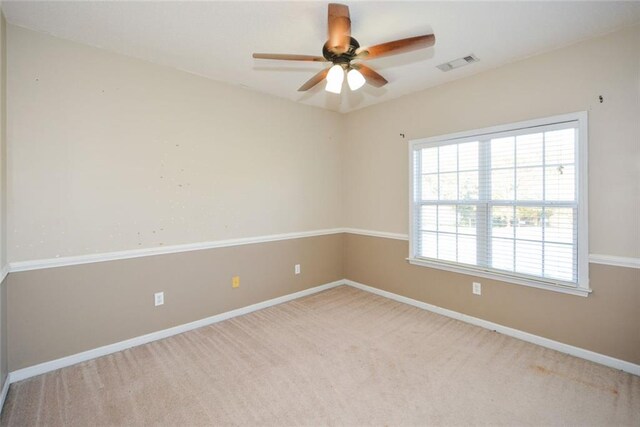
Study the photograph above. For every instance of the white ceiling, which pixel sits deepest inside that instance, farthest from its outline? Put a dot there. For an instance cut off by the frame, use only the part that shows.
(216, 39)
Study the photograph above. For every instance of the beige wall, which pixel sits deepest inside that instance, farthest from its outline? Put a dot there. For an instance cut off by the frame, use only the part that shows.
(3, 142)
(567, 80)
(3, 201)
(110, 153)
(61, 311)
(563, 81)
(605, 322)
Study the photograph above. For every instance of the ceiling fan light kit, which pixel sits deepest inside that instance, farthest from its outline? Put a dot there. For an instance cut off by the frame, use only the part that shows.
(341, 49)
(335, 79)
(355, 79)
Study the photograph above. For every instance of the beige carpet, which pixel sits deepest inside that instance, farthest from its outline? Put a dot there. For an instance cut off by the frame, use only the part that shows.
(340, 357)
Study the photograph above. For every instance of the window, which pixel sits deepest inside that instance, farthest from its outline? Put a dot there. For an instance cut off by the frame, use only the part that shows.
(507, 203)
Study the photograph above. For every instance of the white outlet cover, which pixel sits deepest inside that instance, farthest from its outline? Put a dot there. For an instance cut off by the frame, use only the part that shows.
(477, 288)
(158, 298)
(297, 269)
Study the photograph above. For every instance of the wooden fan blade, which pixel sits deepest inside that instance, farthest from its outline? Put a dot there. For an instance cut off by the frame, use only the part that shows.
(397, 46)
(339, 31)
(314, 80)
(371, 76)
(287, 57)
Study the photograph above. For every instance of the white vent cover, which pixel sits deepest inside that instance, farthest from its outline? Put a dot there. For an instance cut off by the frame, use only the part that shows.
(457, 63)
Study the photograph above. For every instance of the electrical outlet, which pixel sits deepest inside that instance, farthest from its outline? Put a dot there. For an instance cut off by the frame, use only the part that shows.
(477, 288)
(297, 269)
(235, 282)
(158, 298)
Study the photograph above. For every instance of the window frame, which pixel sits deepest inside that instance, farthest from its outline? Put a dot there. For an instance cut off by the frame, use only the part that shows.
(581, 164)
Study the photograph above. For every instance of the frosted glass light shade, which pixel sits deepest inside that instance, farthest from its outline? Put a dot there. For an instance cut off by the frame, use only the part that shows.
(335, 77)
(355, 79)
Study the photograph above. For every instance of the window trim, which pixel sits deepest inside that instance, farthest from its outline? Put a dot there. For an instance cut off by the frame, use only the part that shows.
(581, 164)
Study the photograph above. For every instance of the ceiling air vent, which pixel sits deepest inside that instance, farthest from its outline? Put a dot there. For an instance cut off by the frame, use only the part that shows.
(457, 63)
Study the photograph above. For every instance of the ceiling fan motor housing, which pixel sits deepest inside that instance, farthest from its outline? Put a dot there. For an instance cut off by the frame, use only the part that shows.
(341, 58)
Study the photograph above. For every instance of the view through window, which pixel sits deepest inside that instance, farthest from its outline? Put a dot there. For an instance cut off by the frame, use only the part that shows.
(507, 201)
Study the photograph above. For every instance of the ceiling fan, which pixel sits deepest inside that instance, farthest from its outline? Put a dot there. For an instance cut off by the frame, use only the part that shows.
(341, 49)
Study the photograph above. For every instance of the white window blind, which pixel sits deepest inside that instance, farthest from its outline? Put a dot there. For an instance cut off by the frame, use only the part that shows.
(506, 201)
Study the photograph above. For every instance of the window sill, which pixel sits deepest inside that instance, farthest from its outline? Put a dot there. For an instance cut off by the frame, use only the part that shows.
(501, 277)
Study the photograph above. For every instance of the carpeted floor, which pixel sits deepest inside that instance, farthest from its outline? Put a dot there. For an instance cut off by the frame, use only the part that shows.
(340, 357)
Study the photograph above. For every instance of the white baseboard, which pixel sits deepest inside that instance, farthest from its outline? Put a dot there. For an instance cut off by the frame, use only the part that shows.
(45, 367)
(42, 368)
(5, 390)
(515, 333)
